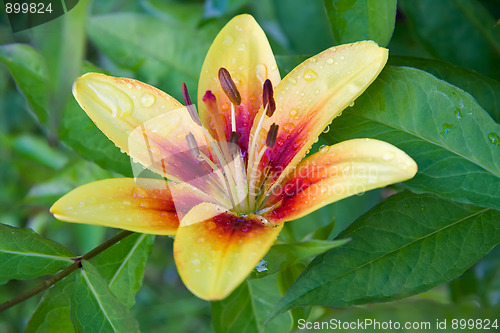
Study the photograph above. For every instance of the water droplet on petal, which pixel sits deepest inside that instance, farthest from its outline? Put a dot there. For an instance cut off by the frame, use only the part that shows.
(292, 80)
(195, 262)
(388, 156)
(310, 75)
(147, 100)
(293, 113)
(351, 104)
(288, 127)
(324, 148)
(327, 129)
(228, 40)
(329, 61)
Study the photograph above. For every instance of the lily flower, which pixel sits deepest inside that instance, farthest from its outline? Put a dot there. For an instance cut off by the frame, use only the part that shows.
(233, 171)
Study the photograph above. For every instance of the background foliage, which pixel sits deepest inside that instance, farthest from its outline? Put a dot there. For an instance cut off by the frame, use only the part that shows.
(425, 247)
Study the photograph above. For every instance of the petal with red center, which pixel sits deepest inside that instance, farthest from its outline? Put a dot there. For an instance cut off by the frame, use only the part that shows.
(337, 172)
(153, 206)
(312, 94)
(215, 249)
(242, 48)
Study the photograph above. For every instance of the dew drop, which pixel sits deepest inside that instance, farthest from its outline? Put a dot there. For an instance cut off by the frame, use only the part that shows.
(494, 138)
(288, 127)
(458, 113)
(147, 100)
(388, 156)
(293, 113)
(228, 40)
(351, 104)
(324, 148)
(195, 262)
(130, 85)
(310, 75)
(327, 129)
(292, 81)
(225, 106)
(274, 67)
(279, 142)
(329, 61)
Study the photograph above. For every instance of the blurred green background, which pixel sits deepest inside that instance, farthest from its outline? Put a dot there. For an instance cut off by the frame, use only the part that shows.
(164, 43)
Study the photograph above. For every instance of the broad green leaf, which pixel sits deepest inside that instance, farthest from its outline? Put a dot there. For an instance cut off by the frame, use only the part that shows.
(122, 266)
(281, 255)
(29, 70)
(39, 151)
(486, 91)
(454, 141)
(163, 54)
(459, 31)
(425, 315)
(295, 16)
(405, 245)
(353, 21)
(246, 309)
(286, 277)
(26, 255)
(94, 308)
(189, 14)
(52, 315)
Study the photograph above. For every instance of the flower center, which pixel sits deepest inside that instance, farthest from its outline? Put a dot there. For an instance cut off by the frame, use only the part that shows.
(239, 172)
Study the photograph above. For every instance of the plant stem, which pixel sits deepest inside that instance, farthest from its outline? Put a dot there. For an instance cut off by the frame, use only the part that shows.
(65, 272)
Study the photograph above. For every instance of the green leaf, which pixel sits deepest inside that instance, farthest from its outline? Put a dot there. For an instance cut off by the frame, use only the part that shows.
(38, 150)
(163, 54)
(424, 314)
(403, 246)
(122, 266)
(28, 68)
(353, 21)
(459, 31)
(295, 16)
(281, 255)
(454, 141)
(52, 315)
(246, 309)
(26, 255)
(486, 91)
(94, 308)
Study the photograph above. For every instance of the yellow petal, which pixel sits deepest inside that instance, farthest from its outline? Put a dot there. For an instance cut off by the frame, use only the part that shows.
(215, 249)
(337, 172)
(119, 105)
(154, 207)
(243, 49)
(311, 95)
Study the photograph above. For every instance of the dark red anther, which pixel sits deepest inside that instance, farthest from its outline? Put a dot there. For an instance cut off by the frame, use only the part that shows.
(271, 135)
(190, 107)
(233, 142)
(229, 86)
(193, 145)
(267, 98)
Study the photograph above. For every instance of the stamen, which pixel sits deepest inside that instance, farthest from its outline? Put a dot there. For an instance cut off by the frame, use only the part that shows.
(190, 107)
(229, 86)
(193, 146)
(233, 140)
(271, 135)
(267, 98)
